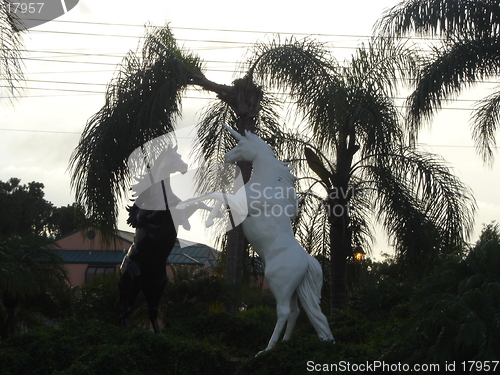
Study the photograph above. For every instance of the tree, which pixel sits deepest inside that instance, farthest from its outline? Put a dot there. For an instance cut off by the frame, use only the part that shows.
(28, 271)
(469, 53)
(361, 159)
(10, 51)
(65, 219)
(455, 310)
(24, 209)
(142, 103)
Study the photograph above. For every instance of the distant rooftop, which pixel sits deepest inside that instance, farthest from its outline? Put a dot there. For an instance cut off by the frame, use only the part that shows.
(197, 254)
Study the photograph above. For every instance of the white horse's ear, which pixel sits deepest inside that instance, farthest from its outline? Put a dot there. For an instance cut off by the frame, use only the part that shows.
(247, 133)
(233, 132)
(175, 147)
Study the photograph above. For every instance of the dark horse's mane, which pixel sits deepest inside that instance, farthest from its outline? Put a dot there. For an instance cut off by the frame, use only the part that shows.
(132, 215)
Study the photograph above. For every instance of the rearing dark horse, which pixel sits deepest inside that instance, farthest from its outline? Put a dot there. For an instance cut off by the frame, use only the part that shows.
(155, 220)
(144, 266)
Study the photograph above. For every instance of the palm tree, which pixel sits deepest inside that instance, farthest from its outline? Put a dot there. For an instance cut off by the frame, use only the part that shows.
(10, 50)
(361, 159)
(143, 102)
(469, 53)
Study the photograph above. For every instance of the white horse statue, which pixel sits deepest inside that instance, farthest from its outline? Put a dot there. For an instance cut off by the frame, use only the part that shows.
(268, 203)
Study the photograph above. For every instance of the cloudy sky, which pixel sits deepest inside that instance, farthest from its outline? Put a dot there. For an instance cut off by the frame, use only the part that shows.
(69, 61)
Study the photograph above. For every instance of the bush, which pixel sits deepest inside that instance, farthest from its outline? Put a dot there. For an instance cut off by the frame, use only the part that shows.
(98, 348)
(292, 357)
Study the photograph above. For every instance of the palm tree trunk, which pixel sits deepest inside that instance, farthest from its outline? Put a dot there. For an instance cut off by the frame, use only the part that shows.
(244, 98)
(340, 247)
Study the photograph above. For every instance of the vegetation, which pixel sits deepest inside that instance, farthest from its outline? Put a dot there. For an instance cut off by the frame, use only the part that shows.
(358, 150)
(436, 302)
(353, 122)
(25, 211)
(468, 54)
(449, 315)
(11, 72)
(33, 285)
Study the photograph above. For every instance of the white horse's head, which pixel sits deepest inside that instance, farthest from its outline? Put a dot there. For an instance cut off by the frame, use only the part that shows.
(249, 146)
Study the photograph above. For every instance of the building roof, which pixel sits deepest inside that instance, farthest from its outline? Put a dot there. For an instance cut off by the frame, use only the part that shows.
(197, 254)
(91, 256)
(193, 255)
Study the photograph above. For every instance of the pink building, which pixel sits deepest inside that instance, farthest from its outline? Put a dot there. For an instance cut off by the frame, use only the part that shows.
(86, 256)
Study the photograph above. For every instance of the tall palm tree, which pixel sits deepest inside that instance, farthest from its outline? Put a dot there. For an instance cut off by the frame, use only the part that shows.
(469, 53)
(361, 159)
(10, 51)
(143, 102)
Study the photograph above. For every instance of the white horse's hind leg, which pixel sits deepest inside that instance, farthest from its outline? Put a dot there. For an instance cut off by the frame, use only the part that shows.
(292, 319)
(283, 312)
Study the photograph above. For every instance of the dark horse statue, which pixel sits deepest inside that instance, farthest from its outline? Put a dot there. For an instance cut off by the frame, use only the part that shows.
(155, 220)
(144, 266)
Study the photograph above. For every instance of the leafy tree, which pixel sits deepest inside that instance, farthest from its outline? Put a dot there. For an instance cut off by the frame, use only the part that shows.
(455, 312)
(469, 53)
(65, 219)
(24, 209)
(142, 103)
(28, 271)
(348, 110)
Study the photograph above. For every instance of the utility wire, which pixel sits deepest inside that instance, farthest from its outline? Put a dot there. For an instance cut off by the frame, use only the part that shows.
(79, 133)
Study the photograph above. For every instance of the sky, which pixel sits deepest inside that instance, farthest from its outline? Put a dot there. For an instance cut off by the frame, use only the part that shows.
(69, 61)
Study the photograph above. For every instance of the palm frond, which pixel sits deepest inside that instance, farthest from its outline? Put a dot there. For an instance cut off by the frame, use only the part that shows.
(485, 120)
(422, 204)
(142, 102)
(452, 68)
(11, 63)
(382, 65)
(300, 66)
(442, 17)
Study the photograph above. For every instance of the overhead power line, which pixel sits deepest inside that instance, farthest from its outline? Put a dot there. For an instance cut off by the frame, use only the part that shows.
(48, 131)
(238, 31)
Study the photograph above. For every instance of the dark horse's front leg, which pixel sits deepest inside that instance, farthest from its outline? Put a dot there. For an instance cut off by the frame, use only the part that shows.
(129, 286)
(153, 290)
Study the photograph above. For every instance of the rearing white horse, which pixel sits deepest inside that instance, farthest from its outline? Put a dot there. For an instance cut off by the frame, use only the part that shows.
(269, 203)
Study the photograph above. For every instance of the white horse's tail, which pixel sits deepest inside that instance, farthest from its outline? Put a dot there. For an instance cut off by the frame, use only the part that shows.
(309, 292)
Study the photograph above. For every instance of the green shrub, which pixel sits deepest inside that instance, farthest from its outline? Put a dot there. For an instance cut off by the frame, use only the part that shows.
(293, 357)
(94, 347)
